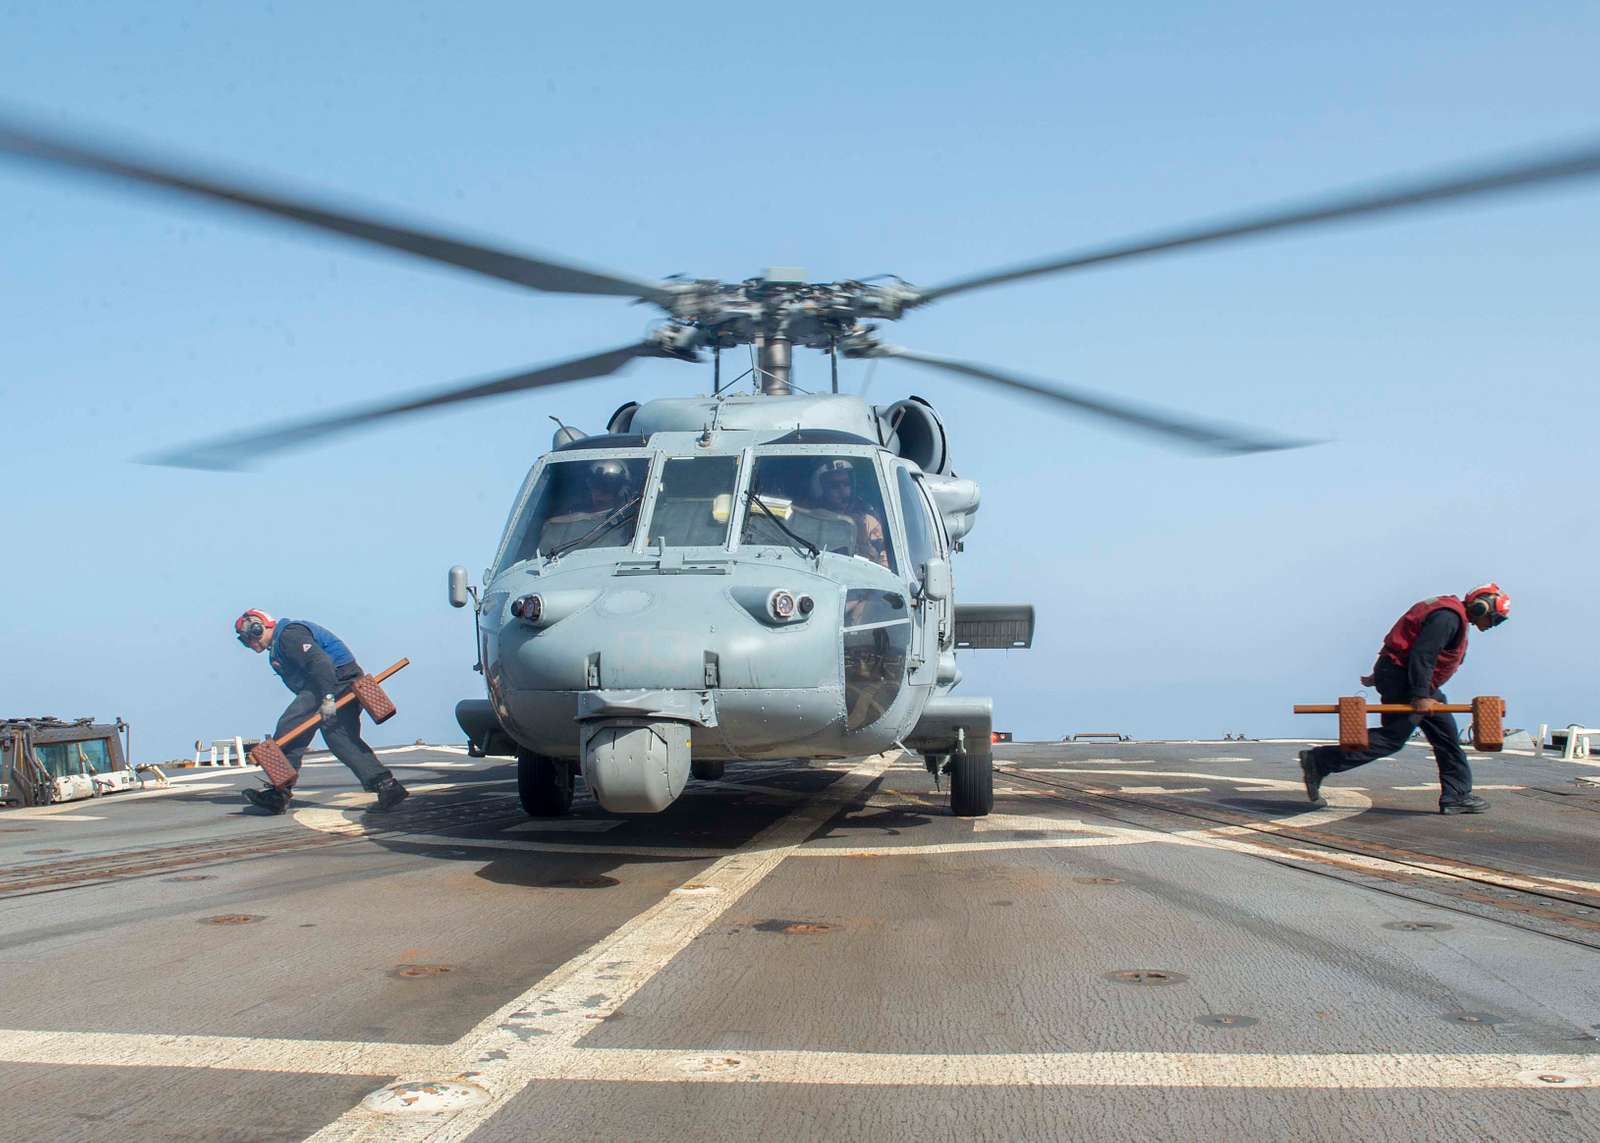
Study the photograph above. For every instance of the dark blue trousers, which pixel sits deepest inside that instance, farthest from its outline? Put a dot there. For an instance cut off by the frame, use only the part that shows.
(1455, 772)
(343, 736)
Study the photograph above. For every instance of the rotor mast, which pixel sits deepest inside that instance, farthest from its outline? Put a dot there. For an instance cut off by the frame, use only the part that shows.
(775, 360)
(775, 346)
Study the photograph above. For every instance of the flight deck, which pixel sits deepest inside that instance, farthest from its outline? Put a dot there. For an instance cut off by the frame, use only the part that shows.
(1143, 940)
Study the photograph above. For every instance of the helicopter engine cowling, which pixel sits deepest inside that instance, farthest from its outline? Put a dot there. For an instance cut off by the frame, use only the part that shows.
(913, 430)
(957, 499)
(622, 420)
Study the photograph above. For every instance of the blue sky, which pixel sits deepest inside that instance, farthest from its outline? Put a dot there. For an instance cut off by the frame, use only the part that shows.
(1450, 359)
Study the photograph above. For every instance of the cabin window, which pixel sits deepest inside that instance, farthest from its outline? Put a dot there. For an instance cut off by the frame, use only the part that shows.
(877, 638)
(833, 502)
(579, 504)
(694, 503)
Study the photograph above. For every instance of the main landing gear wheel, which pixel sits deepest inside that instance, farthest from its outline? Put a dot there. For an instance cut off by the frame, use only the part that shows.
(971, 784)
(708, 769)
(544, 785)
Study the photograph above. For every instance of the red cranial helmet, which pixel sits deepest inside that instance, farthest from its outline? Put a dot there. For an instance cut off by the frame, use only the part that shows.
(1488, 602)
(251, 626)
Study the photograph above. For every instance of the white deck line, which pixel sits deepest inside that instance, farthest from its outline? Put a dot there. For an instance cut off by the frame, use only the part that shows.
(233, 1053)
(1071, 1069)
(78, 805)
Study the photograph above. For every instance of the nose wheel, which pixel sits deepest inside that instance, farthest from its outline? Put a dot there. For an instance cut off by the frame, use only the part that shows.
(544, 785)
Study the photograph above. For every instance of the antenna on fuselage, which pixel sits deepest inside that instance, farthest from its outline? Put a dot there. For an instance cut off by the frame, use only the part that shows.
(565, 434)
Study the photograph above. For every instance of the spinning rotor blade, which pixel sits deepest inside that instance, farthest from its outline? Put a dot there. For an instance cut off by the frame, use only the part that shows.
(1196, 434)
(239, 450)
(535, 273)
(1486, 179)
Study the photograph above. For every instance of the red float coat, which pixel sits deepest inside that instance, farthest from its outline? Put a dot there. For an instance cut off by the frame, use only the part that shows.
(1403, 636)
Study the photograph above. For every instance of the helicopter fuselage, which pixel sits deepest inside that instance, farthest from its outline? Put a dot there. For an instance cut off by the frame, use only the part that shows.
(667, 598)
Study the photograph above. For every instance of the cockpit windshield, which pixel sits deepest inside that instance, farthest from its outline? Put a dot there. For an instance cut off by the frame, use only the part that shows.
(579, 504)
(833, 502)
(694, 504)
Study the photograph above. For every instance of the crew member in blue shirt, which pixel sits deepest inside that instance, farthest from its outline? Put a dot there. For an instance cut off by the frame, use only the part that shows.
(316, 665)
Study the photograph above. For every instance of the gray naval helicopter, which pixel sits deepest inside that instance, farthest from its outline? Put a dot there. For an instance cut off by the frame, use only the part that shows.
(732, 578)
(744, 575)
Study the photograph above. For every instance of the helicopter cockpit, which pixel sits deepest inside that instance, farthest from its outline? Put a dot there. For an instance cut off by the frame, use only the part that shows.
(816, 503)
(832, 502)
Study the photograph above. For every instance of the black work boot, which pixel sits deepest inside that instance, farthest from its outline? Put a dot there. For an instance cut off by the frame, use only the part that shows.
(1308, 770)
(390, 793)
(271, 799)
(1471, 804)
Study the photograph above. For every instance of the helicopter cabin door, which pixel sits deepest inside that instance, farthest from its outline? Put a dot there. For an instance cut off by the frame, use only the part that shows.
(922, 545)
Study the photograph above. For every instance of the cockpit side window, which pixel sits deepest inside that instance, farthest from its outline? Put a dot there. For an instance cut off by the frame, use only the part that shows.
(922, 542)
(834, 502)
(694, 503)
(578, 504)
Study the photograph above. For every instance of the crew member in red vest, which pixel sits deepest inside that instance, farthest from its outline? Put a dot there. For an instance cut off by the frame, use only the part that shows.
(1420, 653)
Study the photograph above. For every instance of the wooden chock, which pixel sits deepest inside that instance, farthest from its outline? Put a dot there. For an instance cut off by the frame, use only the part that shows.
(1488, 718)
(1353, 723)
(1488, 723)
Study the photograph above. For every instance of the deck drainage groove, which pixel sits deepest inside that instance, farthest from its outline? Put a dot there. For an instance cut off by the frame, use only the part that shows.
(793, 928)
(1418, 926)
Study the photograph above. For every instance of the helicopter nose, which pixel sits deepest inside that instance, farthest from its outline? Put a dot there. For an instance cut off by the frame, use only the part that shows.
(681, 632)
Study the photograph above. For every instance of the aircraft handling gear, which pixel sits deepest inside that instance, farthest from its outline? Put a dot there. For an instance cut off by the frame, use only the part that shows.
(544, 784)
(971, 784)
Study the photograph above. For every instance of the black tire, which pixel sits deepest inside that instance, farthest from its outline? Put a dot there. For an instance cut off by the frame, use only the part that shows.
(544, 785)
(708, 769)
(971, 785)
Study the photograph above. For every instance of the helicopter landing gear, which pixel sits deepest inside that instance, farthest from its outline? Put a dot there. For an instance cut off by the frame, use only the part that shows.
(971, 784)
(708, 769)
(544, 784)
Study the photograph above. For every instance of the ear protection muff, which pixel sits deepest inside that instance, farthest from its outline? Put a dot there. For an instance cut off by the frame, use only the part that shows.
(251, 626)
(1488, 602)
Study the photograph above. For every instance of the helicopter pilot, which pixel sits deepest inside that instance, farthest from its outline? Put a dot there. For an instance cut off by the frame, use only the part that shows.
(606, 488)
(833, 485)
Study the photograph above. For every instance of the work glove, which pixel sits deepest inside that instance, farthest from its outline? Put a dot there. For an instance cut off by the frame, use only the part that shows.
(328, 710)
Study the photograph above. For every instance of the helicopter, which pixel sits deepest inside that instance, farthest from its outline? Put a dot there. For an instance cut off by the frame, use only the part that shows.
(742, 575)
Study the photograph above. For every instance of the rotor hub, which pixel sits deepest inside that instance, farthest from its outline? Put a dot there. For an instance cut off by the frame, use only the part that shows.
(813, 315)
